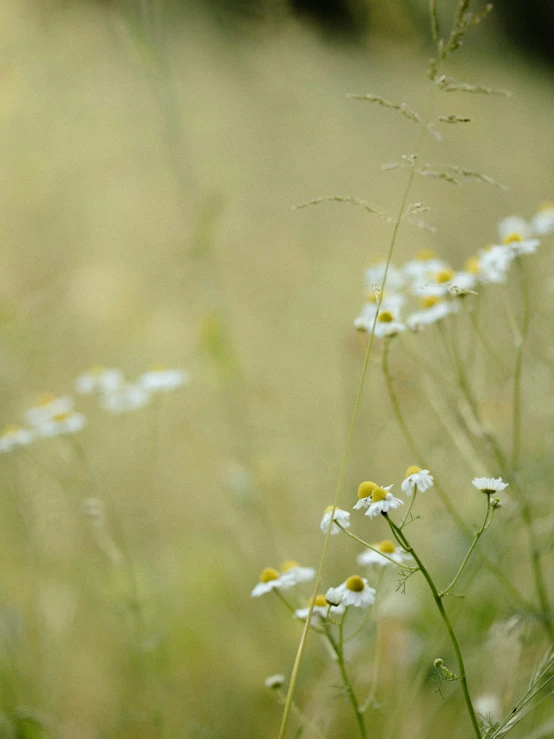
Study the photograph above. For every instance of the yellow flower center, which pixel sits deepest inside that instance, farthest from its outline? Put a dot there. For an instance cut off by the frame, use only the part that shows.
(373, 297)
(366, 489)
(472, 265)
(424, 255)
(429, 301)
(544, 207)
(378, 494)
(355, 583)
(387, 546)
(412, 471)
(319, 601)
(386, 317)
(268, 574)
(328, 509)
(445, 275)
(512, 238)
(10, 430)
(289, 564)
(158, 367)
(61, 417)
(45, 399)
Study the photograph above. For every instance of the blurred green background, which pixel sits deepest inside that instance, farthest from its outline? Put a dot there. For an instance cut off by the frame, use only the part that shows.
(151, 156)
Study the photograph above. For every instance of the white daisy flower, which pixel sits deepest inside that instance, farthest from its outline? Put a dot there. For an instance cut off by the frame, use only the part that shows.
(516, 234)
(391, 303)
(365, 491)
(13, 436)
(419, 270)
(494, 264)
(388, 325)
(381, 502)
(98, 379)
(434, 308)
(294, 574)
(127, 397)
(415, 476)
(62, 423)
(320, 611)
(371, 557)
(160, 378)
(343, 517)
(270, 580)
(353, 592)
(274, 681)
(489, 485)
(375, 275)
(543, 220)
(46, 407)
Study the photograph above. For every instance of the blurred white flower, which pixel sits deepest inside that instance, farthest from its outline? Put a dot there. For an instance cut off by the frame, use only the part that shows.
(494, 264)
(13, 436)
(320, 611)
(46, 407)
(126, 397)
(434, 308)
(343, 517)
(98, 379)
(160, 378)
(274, 681)
(353, 592)
(375, 275)
(292, 572)
(371, 557)
(543, 220)
(62, 423)
(415, 476)
(516, 234)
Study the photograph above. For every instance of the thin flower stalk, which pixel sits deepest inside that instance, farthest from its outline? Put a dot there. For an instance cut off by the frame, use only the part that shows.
(368, 546)
(403, 541)
(304, 637)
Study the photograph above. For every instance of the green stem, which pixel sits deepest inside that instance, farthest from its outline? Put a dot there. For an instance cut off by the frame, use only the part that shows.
(368, 546)
(516, 426)
(476, 538)
(305, 632)
(437, 598)
(458, 520)
(346, 680)
(484, 341)
(405, 518)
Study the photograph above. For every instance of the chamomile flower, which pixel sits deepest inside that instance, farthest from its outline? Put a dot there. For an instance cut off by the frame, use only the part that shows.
(393, 304)
(375, 275)
(320, 611)
(494, 264)
(489, 485)
(516, 235)
(353, 592)
(98, 379)
(543, 220)
(382, 502)
(270, 580)
(433, 308)
(416, 477)
(388, 324)
(294, 573)
(127, 397)
(419, 271)
(46, 407)
(160, 378)
(365, 491)
(62, 423)
(371, 557)
(13, 436)
(343, 517)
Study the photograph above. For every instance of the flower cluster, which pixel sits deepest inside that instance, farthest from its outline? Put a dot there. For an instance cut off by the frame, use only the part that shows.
(427, 289)
(53, 415)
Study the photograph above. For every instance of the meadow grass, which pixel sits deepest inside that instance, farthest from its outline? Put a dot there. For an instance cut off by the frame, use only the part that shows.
(124, 244)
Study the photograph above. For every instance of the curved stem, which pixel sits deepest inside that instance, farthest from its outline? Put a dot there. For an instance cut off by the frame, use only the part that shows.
(437, 598)
(458, 520)
(412, 501)
(368, 546)
(486, 524)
